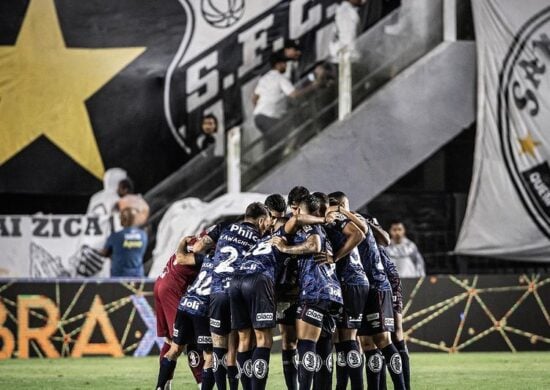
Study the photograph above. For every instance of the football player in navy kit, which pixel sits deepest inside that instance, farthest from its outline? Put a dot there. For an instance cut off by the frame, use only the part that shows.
(320, 294)
(345, 235)
(378, 319)
(286, 291)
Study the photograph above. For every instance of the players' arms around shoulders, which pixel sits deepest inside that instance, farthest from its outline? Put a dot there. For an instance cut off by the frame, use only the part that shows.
(297, 221)
(311, 245)
(185, 257)
(204, 244)
(382, 237)
(354, 236)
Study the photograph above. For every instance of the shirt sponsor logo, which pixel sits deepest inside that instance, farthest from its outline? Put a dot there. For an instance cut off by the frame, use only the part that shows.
(204, 340)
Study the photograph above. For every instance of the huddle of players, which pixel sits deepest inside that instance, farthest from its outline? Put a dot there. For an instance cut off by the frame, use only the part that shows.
(320, 272)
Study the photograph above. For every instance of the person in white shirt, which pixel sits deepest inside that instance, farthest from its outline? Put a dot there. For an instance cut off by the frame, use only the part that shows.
(346, 29)
(270, 95)
(404, 253)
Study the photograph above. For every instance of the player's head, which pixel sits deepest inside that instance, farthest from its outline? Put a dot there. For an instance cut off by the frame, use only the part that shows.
(338, 198)
(125, 187)
(278, 62)
(397, 230)
(295, 196)
(309, 205)
(128, 216)
(209, 124)
(257, 214)
(276, 205)
(323, 202)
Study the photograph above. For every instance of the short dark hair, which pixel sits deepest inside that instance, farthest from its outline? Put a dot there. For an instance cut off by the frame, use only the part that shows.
(312, 203)
(396, 222)
(296, 194)
(276, 58)
(127, 184)
(210, 116)
(323, 201)
(276, 202)
(256, 210)
(336, 197)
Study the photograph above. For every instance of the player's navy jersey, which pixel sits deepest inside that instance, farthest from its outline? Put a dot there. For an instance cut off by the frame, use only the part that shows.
(391, 270)
(233, 243)
(349, 269)
(196, 301)
(372, 263)
(318, 282)
(263, 258)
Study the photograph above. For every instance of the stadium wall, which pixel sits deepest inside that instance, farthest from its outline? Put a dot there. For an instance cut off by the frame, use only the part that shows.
(68, 318)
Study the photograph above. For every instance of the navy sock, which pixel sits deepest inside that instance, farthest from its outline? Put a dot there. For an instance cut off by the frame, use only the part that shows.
(244, 361)
(207, 379)
(341, 367)
(220, 372)
(308, 363)
(290, 370)
(374, 362)
(354, 363)
(233, 377)
(404, 353)
(395, 367)
(260, 367)
(323, 376)
(383, 382)
(166, 371)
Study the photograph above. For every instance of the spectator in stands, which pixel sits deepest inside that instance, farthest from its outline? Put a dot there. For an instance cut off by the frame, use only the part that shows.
(126, 247)
(404, 253)
(271, 93)
(209, 127)
(293, 54)
(125, 187)
(346, 29)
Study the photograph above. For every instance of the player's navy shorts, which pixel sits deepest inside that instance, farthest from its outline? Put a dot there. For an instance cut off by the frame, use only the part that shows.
(378, 314)
(219, 312)
(319, 315)
(355, 300)
(189, 329)
(286, 313)
(252, 302)
(166, 306)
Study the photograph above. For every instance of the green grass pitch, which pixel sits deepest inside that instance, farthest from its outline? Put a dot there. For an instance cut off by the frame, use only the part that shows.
(429, 371)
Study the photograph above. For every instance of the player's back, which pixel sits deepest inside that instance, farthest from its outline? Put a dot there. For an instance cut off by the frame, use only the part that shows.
(196, 300)
(176, 277)
(372, 262)
(263, 258)
(318, 282)
(349, 269)
(233, 243)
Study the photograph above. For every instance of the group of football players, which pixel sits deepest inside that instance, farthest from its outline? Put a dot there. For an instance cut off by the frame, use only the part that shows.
(319, 271)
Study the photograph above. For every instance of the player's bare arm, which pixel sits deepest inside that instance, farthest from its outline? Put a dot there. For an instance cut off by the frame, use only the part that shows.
(311, 245)
(299, 220)
(382, 237)
(354, 236)
(203, 245)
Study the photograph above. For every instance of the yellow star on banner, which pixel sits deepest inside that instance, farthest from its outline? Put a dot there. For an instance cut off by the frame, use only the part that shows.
(44, 86)
(528, 144)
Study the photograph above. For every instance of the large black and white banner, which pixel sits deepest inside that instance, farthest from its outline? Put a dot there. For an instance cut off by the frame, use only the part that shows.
(508, 213)
(90, 85)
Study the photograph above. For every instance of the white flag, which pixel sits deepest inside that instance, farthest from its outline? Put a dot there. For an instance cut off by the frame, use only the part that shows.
(508, 213)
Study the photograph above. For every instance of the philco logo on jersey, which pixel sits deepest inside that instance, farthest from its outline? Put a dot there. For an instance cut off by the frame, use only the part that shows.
(524, 114)
(264, 317)
(314, 314)
(243, 232)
